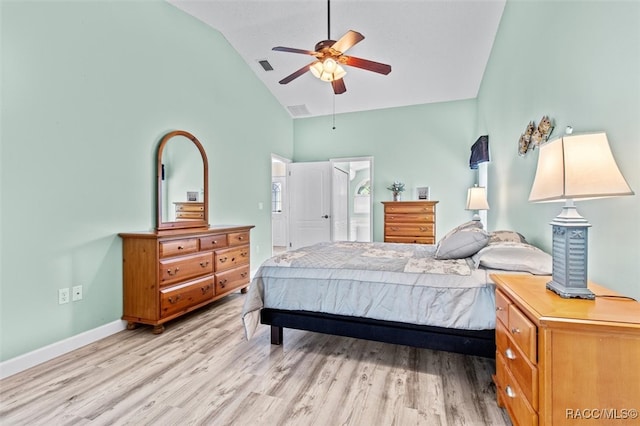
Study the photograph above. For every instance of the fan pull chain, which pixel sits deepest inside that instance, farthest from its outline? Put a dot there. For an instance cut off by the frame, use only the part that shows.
(328, 19)
(334, 111)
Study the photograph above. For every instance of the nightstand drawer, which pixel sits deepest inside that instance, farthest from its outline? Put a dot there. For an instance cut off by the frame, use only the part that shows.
(502, 308)
(511, 395)
(523, 332)
(518, 365)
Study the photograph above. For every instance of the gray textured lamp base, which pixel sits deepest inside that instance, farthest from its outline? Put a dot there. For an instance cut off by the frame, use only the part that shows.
(570, 292)
(569, 254)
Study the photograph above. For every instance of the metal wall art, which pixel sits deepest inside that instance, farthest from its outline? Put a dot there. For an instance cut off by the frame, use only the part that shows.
(533, 136)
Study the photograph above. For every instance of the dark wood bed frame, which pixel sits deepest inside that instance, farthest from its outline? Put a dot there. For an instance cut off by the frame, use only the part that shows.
(469, 342)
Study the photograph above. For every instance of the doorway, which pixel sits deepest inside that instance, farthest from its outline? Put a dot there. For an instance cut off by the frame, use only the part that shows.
(338, 190)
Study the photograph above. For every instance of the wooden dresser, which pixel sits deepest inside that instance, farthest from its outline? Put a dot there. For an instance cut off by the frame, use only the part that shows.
(169, 274)
(566, 361)
(188, 210)
(410, 222)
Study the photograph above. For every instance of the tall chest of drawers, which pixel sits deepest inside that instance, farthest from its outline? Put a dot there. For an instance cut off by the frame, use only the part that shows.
(565, 361)
(167, 275)
(410, 222)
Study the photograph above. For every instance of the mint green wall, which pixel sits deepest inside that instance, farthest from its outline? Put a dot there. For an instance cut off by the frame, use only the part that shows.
(582, 68)
(88, 90)
(423, 145)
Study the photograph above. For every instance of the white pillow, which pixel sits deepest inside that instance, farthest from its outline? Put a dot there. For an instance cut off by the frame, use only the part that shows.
(462, 243)
(511, 256)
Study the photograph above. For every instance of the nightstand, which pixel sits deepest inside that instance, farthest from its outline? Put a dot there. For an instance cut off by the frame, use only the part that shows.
(566, 361)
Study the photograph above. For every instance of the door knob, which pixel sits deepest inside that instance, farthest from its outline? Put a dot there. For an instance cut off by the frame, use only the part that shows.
(326, 216)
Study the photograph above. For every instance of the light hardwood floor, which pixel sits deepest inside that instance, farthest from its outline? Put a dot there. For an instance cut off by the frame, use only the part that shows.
(201, 370)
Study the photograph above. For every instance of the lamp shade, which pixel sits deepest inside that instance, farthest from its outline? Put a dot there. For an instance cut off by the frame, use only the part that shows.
(577, 166)
(477, 198)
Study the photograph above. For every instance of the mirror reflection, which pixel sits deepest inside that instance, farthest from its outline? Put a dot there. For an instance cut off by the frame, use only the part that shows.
(183, 191)
(182, 182)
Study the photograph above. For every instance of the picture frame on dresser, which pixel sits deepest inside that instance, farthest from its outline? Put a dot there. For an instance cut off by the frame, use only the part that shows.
(423, 193)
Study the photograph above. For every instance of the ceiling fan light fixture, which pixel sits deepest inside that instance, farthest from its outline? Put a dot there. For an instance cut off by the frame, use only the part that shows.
(327, 71)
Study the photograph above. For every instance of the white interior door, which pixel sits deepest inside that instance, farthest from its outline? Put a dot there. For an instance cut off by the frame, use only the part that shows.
(309, 203)
(340, 205)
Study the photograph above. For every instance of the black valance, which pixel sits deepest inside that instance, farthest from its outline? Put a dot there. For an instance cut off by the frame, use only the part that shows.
(479, 152)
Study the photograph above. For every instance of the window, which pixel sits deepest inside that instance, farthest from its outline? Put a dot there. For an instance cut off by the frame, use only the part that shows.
(276, 197)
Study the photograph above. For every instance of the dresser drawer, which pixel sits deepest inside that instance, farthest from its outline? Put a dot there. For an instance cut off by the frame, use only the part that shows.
(232, 279)
(181, 297)
(178, 247)
(409, 230)
(418, 209)
(518, 365)
(213, 242)
(231, 258)
(410, 240)
(409, 218)
(511, 395)
(185, 267)
(235, 238)
(523, 332)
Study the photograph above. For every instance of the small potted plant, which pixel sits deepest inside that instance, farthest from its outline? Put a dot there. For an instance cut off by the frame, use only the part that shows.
(397, 189)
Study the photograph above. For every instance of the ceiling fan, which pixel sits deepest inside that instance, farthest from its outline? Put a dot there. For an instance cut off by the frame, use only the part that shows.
(330, 57)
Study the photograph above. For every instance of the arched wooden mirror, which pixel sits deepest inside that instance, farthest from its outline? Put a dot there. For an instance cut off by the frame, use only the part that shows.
(182, 176)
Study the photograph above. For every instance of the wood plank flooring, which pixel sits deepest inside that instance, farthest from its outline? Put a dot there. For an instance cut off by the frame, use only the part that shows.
(202, 371)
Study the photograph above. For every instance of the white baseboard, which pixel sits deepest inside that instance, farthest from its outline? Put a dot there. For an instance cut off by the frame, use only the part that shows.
(33, 358)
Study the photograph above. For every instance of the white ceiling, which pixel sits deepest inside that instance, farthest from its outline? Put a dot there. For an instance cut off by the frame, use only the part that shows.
(438, 49)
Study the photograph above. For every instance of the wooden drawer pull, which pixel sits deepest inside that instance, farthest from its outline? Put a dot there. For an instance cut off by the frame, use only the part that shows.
(223, 259)
(510, 392)
(174, 272)
(222, 283)
(205, 289)
(243, 275)
(244, 254)
(214, 242)
(515, 330)
(499, 308)
(174, 300)
(510, 354)
(233, 259)
(204, 264)
(180, 247)
(240, 238)
(394, 228)
(423, 229)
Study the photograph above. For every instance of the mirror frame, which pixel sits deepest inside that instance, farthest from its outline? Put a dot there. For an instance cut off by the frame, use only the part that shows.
(183, 224)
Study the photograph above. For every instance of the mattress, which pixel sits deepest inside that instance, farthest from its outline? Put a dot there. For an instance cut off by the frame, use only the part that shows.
(384, 281)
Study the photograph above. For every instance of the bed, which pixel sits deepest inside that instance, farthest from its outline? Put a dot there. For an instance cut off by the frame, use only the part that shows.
(431, 296)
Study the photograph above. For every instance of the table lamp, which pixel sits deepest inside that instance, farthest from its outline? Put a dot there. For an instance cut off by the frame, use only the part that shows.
(574, 167)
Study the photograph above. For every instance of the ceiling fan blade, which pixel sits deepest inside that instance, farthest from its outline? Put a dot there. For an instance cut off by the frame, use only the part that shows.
(350, 39)
(338, 86)
(296, 74)
(293, 50)
(366, 64)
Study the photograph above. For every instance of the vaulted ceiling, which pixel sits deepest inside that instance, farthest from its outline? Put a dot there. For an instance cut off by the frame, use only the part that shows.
(438, 49)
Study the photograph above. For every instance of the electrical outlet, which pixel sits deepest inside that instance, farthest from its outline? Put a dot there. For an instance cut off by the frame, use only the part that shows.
(76, 293)
(63, 296)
